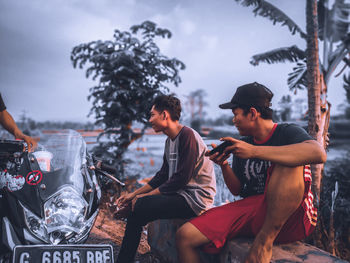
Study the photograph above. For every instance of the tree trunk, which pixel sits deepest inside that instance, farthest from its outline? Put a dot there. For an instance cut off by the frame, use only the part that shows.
(318, 119)
(314, 85)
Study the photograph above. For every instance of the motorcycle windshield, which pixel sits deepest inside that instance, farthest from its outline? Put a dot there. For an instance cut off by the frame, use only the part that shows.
(64, 153)
(57, 191)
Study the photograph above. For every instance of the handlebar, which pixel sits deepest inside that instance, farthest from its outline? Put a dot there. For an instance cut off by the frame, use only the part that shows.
(105, 169)
(11, 149)
(108, 168)
(110, 177)
(11, 146)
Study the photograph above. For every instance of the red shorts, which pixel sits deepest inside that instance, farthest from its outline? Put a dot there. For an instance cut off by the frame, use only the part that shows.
(245, 218)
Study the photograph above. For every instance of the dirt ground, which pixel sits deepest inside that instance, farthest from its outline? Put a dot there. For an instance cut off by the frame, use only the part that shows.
(108, 230)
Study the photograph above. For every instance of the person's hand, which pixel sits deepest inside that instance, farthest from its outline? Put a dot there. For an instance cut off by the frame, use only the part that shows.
(31, 143)
(220, 159)
(239, 148)
(124, 199)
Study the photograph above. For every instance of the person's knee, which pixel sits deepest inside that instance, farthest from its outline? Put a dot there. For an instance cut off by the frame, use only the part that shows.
(139, 214)
(142, 207)
(287, 179)
(188, 236)
(183, 235)
(284, 194)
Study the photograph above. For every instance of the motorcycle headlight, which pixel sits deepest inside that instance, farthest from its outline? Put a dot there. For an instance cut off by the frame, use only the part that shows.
(64, 214)
(85, 230)
(64, 218)
(66, 209)
(35, 224)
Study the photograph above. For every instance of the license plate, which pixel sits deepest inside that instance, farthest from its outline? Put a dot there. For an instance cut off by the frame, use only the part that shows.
(63, 254)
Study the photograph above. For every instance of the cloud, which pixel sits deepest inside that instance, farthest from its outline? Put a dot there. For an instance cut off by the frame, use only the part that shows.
(210, 42)
(188, 27)
(215, 39)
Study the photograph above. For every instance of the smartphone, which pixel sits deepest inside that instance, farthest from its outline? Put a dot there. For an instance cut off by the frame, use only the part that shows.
(221, 147)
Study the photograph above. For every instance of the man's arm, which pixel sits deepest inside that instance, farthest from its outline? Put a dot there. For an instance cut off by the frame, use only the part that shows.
(148, 189)
(186, 162)
(307, 152)
(231, 180)
(298, 154)
(9, 124)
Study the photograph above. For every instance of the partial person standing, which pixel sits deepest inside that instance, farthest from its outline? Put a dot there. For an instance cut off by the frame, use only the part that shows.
(9, 124)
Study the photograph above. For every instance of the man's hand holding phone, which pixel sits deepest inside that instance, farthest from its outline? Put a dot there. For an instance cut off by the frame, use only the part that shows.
(218, 154)
(220, 148)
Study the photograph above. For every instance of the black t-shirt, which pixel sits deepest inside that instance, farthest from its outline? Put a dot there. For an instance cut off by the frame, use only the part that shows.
(2, 104)
(252, 173)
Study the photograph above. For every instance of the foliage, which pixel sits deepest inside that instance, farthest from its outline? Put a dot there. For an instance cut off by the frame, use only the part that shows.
(34, 128)
(314, 75)
(297, 78)
(347, 91)
(265, 9)
(285, 107)
(222, 120)
(333, 30)
(195, 103)
(131, 71)
(338, 172)
(347, 113)
(333, 23)
(347, 87)
(57, 125)
(291, 54)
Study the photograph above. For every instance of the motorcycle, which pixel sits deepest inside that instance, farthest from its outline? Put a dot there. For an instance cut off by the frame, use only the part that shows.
(49, 200)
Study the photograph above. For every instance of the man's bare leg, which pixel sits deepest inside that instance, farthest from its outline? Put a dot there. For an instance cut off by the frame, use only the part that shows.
(284, 195)
(188, 239)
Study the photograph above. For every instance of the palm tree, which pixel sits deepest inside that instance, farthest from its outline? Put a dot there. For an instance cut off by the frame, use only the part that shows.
(315, 103)
(329, 26)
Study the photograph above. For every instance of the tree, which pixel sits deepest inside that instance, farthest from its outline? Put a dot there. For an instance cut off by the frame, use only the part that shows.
(195, 104)
(131, 72)
(323, 24)
(317, 106)
(285, 107)
(347, 89)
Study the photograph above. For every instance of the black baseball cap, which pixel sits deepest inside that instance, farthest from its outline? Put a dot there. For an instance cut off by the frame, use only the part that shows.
(252, 94)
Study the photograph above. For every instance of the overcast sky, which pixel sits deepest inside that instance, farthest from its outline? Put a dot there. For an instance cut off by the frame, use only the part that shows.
(214, 38)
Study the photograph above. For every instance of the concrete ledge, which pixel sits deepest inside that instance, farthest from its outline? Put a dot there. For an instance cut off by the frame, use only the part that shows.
(236, 250)
(161, 238)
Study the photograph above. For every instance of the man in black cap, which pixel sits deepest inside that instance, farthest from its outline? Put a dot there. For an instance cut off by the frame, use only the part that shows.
(270, 170)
